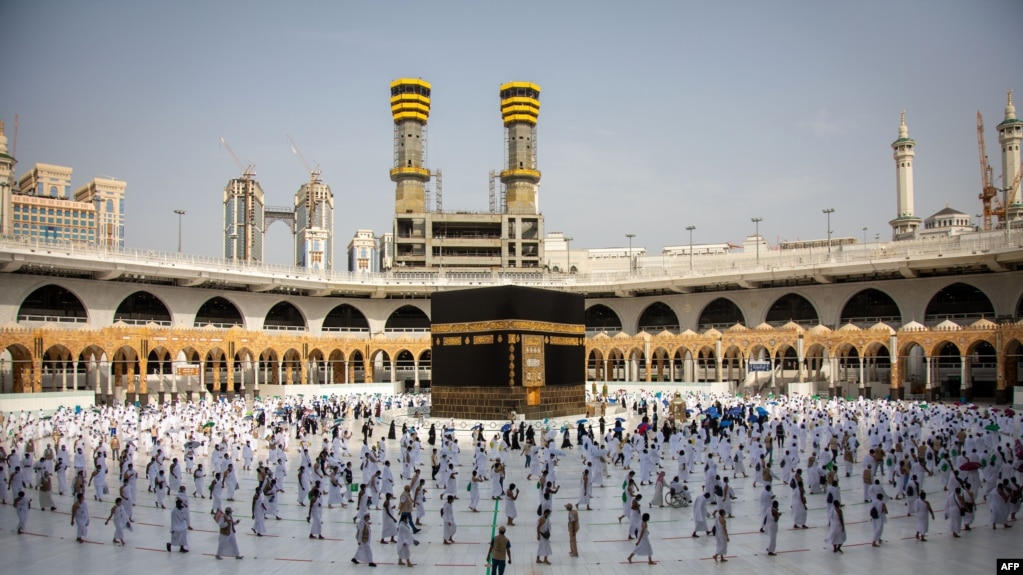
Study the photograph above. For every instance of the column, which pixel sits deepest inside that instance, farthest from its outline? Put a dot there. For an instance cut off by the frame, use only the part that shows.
(895, 373)
(928, 374)
(965, 385)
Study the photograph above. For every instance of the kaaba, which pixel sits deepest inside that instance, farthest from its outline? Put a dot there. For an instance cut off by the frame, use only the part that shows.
(508, 348)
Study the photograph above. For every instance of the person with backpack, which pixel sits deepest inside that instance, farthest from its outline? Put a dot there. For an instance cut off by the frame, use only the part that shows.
(878, 518)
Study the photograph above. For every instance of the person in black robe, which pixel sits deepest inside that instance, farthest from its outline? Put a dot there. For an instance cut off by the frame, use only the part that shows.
(390, 431)
(431, 436)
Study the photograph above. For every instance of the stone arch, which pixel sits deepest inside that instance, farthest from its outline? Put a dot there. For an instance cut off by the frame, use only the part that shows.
(358, 368)
(792, 307)
(706, 364)
(270, 366)
(317, 367)
(52, 303)
(682, 364)
(595, 365)
(1013, 363)
(407, 318)
(948, 365)
(815, 362)
(601, 318)
(721, 313)
(660, 364)
(345, 318)
(292, 367)
(57, 362)
(616, 364)
(336, 364)
(658, 317)
(16, 369)
(91, 360)
(870, 306)
(635, 364)
(425, 364)
(982, 368)
(284, 316)
(848, 377)
(218, 312)
(141, 308)
(380, 364)
(733, 364)
(215, 370)
(124, 366)
(958, 301)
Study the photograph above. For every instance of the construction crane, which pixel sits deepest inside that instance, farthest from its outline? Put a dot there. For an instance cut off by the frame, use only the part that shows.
(314, 179)
(248, 172)
(988, 192)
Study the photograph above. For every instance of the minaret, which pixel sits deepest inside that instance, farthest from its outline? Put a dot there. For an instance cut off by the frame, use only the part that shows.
(1010, 134)
(6, 184)
(905, 223)
(520, 108)
(410, 107)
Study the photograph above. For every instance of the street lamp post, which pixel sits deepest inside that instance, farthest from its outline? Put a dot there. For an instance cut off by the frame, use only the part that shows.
(864, 235)
(828, 212)
(690, 228)
(179, 213)
(568, 254)
(630, 236)
(757, 221)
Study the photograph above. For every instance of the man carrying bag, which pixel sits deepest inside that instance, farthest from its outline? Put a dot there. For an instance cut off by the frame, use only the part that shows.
(499, 553)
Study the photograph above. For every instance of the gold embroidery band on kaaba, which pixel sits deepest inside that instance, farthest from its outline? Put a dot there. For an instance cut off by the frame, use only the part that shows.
(509, 325)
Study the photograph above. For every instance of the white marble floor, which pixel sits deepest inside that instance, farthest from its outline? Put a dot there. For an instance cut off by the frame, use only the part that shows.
(49, 545)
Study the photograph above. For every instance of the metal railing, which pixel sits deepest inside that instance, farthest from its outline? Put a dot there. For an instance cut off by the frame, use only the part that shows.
(606, 275)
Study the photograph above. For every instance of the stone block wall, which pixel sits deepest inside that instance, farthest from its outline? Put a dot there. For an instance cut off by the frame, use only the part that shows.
(495, 402)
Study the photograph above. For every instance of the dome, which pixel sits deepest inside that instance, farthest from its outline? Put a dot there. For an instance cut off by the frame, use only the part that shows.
(738, 327)
(601, 335)
(882, 326)
(819, 329)
(712, 333)
(948, 325)
(983, 323)
(914, 326)
(793, 326)
(688, 333)
(665, 333)
(764, 327)
(850, 327)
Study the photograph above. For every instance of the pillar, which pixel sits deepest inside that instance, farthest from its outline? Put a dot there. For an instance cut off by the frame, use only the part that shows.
(895, 373)
(965, 385)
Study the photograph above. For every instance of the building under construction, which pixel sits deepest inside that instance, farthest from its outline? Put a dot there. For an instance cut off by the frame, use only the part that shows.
(510, 234)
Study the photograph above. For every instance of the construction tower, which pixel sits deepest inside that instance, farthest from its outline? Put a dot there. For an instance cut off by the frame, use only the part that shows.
(410, 108)
(520, 108)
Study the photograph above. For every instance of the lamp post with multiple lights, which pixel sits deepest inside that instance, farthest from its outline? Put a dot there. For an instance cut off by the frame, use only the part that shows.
(757, 221)
(568, 254)
(828, 212)
(180, 213)
(690, 228)
(630, 236)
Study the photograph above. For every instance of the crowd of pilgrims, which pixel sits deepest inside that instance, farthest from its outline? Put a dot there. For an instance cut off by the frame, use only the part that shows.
(943, 457)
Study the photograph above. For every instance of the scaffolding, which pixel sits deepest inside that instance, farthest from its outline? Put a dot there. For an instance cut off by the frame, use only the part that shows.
(498, 196)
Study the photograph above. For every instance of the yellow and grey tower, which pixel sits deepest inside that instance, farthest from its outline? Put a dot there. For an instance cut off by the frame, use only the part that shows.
(520, 108)
(410, 107)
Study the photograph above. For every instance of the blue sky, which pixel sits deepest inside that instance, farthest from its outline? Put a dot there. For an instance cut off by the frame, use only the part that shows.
(655, 115)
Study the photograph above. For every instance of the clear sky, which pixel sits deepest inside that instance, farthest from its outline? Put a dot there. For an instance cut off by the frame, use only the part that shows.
(655, 115)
